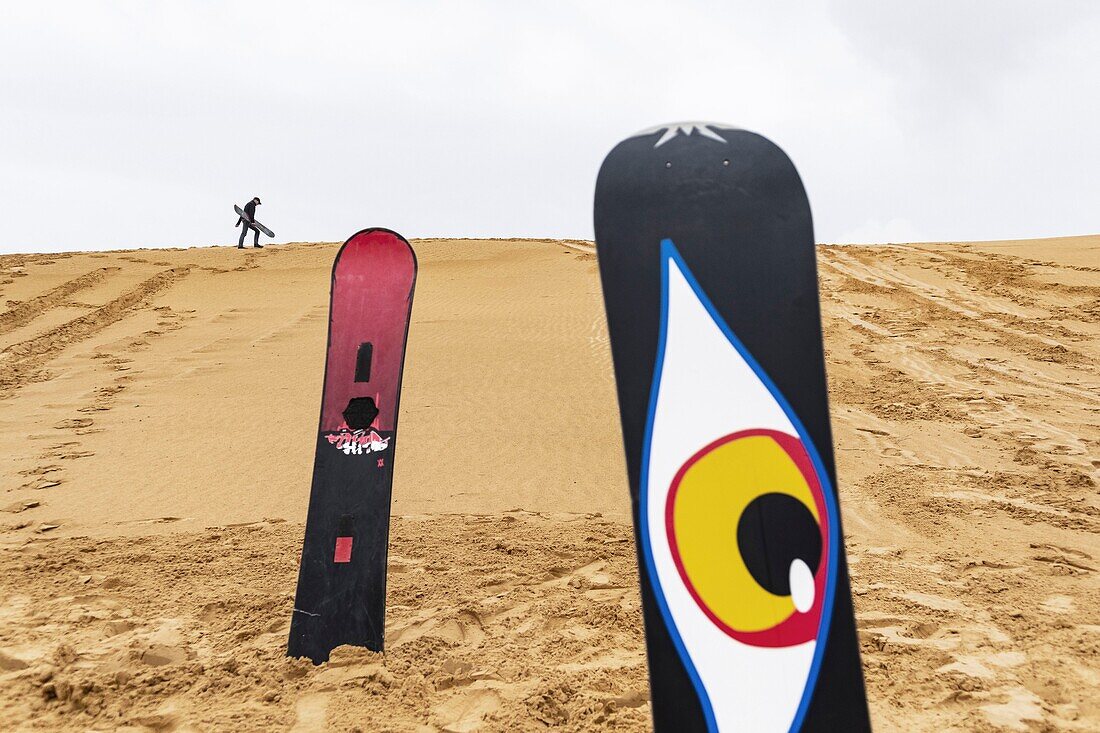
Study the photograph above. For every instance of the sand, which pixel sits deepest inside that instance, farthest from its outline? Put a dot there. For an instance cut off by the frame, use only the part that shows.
(157, 411)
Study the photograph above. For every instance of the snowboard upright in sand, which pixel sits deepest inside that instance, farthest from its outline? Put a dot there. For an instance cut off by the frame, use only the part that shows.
(706, 255)
(341, 595)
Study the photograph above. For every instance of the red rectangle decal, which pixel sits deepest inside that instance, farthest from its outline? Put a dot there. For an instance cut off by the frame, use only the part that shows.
(343, 549)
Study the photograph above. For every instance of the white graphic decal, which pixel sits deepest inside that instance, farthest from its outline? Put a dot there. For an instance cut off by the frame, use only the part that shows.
(357, 442)
(751, 677)
(706, 129)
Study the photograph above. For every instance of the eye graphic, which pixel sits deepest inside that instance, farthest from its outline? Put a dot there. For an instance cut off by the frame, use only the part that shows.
(737, 519)
(744, 522)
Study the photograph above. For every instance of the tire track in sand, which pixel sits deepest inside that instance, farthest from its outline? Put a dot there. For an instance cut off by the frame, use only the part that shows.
(26, 311)
(21, 362)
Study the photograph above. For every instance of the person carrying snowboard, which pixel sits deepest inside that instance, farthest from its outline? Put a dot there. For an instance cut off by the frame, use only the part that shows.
(247, 219)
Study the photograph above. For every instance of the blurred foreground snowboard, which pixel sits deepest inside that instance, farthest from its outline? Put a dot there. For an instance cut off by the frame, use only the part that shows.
(706, 255)
(341, 595)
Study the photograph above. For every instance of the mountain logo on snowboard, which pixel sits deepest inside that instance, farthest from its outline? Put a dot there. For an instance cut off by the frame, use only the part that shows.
(706, 129)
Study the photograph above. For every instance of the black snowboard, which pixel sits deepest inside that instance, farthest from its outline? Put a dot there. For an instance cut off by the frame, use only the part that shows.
(252, 222)
(706, 255)
(341, 596)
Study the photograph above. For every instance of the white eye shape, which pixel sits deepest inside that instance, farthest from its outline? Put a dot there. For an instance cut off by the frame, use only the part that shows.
(707, 387)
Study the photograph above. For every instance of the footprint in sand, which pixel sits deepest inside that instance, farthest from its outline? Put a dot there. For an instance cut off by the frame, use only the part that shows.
(460, 673)
(160, 655)
(1019, 707)
(590, 576)
(22, 506)
(310, 714)
(1058, 604)
(466, 711)
(42, 477)
(80, 422)
(465, 627)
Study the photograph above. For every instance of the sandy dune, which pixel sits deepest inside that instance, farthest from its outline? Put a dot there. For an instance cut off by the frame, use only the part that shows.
(157, 411)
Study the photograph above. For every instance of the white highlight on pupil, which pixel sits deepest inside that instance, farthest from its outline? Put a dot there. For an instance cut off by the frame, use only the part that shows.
(802, 585)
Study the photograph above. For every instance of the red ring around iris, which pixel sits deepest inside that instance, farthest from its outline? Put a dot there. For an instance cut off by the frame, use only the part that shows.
(798, 627)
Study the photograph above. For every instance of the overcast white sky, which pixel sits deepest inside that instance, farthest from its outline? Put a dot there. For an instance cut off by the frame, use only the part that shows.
(137, 124)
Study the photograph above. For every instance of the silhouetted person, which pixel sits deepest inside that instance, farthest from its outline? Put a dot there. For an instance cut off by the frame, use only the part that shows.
(247, 219)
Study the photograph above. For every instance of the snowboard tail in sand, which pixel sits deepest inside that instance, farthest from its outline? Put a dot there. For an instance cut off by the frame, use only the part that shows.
(706, 256)
(341, 593)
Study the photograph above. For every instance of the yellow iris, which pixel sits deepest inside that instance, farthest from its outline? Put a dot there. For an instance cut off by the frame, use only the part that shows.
(708, 504)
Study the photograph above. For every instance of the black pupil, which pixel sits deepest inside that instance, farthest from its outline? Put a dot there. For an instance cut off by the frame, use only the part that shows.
(774, 530)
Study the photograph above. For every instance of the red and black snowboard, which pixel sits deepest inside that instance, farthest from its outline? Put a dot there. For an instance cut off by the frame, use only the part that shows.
(341, 596)
(706, 255)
